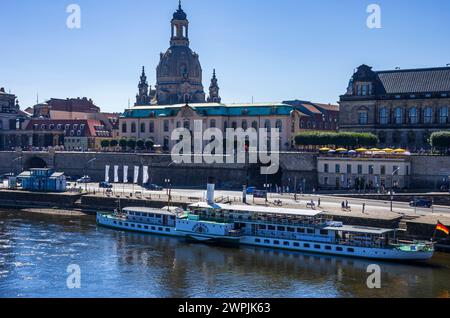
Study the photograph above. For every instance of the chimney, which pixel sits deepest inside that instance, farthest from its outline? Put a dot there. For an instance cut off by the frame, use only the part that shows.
(210, 191)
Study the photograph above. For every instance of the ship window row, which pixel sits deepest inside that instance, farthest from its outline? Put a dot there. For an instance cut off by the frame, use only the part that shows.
(290, 229)
(306, 245)
(146, 227)
(149, 215)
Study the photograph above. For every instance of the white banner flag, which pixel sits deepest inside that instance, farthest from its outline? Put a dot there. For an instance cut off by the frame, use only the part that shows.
(136, 174)
(125, 174)
(116, 174)
(145, 175)
(107, 174)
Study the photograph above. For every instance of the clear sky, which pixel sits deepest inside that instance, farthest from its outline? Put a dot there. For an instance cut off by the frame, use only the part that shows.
(272, 50)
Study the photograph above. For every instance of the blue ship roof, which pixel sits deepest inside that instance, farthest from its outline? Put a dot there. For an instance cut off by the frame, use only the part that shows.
(227, 110)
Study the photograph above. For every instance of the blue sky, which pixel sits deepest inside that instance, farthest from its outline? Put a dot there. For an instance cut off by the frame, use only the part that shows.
(272, 50)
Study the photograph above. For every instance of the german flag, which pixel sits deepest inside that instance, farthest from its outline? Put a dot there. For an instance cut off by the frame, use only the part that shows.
(441, 227)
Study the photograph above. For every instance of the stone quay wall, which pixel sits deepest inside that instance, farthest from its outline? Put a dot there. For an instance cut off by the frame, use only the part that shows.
(296, 169)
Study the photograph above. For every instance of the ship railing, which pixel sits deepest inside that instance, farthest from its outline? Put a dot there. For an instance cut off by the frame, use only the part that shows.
(315, 224)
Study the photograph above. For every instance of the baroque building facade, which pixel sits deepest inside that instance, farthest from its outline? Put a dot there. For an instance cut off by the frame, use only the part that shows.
(403, 107)
(179, 99)
(12, 120)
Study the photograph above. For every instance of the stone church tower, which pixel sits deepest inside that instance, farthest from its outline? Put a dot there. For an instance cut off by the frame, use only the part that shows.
(179, 73)
(143, 97)
(214, 96)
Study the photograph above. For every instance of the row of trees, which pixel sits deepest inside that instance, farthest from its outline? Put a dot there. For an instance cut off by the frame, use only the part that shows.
(342, 139)
(131, 144)
(440, 140)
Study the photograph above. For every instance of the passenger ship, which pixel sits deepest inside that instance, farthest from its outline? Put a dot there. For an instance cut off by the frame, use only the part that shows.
(291, 229)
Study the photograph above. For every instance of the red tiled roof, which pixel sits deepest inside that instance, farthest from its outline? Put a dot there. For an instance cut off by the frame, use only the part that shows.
(73, 105)
(93, 128)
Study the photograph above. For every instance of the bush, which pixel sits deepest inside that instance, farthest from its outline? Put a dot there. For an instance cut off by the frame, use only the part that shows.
(440, 140)
(131, 143)
(149, 144)
(140, 144)
(123, 143)
(105, 143)
(343, 139)
(114, 143)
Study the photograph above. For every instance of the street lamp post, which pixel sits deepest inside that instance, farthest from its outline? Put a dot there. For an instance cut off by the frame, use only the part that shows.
(392, 188)
(85, 172)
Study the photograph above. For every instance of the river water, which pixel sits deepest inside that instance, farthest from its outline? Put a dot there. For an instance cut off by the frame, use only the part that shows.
(36, 250)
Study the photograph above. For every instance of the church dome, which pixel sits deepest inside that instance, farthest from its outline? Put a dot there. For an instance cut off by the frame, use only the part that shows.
(179, 14)
(179, 63)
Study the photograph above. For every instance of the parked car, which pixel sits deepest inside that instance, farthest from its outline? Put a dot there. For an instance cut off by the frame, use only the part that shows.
(105, 185)
(421, 203)
(250, 190)
(153, 187)
(85, 179)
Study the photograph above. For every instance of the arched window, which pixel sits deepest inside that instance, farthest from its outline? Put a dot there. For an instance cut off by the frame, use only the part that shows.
(124, 127)
(244, 125)
(428, 115)
(363, 117)
(267, 124)
(255, 125)
(384, 116)
(413, 118)
(443, 115)
(152, 127)
(187, 124)
(234, 125)
(143, 128)
(398, 116)
(279, 125)
(133, 127)
(225, 125)
(212, 123)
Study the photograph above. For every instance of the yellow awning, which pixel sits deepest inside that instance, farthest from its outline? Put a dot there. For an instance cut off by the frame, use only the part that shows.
(400, 150)
(325, 149)
(341, 149)
(361, 150)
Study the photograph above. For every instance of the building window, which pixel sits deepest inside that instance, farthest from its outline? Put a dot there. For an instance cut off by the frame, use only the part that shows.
(244, 125)
(428, 115)
(212, 123)
(443, 115)
(255, 125)
(152, 127)
(360, 169)
(267, 124)
(398, 116)
(383, 170)
(279, 125)
(384, 116)
(363, 117)
(395, 170)
(413, 118)
(234, 125)
(338, 168)
(142, 128)
(326, 168)
(371, 169)
(133, 128)
(166, 126)
(349, 168)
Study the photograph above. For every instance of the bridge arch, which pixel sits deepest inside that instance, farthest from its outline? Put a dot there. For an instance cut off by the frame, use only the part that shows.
(34, 162)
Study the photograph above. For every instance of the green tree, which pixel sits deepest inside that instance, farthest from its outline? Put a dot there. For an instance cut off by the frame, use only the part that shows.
(440, 140)
(131, 143)
(105, 143)
(114, 143)
(123, 143)
(149, 144)
(140, 143)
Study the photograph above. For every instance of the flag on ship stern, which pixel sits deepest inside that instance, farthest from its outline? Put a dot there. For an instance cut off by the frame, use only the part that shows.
(441, 227)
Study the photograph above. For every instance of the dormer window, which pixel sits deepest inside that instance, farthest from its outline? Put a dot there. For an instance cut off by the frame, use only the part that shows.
(59, 127)
(82, 126)
(52, 126)
(43, 127)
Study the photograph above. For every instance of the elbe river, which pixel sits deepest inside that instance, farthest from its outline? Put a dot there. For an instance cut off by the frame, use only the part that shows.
(36, 251)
